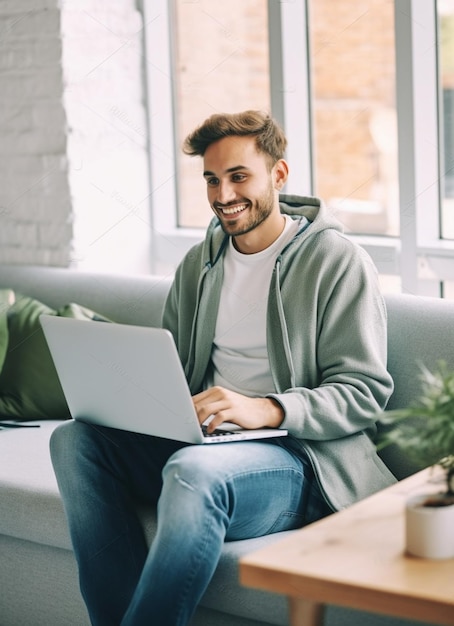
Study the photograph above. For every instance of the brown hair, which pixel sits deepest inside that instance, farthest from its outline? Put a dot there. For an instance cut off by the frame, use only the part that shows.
(269, 136)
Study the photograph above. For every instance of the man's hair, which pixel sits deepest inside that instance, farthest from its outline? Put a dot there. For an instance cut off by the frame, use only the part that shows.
(269, 136)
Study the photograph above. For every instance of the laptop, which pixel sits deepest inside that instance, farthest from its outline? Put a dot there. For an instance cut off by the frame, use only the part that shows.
(130, 378)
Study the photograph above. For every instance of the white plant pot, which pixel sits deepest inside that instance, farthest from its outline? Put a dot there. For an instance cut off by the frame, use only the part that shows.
(429, 529)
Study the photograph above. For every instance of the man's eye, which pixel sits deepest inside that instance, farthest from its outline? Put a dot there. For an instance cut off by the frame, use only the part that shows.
(238, 178)
(212, 182)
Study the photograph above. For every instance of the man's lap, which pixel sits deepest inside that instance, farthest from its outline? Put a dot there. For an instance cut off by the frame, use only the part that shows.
(264, 467)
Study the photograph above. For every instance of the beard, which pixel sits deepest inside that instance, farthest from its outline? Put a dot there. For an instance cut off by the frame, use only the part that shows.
(258, 212)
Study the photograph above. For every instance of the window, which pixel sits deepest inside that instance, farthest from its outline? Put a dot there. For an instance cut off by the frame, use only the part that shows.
(228, 72)
(446, 72)
(352, 58)
(365, 94)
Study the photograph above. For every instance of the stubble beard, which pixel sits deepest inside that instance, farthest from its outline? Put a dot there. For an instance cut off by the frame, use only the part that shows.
(259, 212)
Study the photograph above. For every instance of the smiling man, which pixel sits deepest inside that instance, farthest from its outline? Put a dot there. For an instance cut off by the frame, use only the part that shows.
(244, 196)
(278, 321)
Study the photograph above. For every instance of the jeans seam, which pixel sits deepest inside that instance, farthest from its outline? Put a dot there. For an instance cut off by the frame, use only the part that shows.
(106, 546)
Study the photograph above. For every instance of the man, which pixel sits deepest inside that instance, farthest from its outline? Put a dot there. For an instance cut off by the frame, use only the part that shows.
(278, 321)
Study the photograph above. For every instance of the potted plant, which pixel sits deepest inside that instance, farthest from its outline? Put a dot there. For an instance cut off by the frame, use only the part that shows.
(425, 432)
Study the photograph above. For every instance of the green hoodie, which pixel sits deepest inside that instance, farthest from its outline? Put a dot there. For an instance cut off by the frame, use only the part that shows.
(326, 338)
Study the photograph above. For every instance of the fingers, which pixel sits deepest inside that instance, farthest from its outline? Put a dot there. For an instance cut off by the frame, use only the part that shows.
(223, 405)
(215, 403)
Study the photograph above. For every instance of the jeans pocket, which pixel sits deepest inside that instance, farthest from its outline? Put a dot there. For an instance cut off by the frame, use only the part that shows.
(287, 520)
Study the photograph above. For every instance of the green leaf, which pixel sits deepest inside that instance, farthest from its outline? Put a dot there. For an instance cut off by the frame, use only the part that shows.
(425, 429)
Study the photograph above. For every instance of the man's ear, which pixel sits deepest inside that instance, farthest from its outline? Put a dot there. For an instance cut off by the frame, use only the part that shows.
(280, 174)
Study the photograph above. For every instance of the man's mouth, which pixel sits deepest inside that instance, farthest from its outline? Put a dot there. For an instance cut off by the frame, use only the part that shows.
(232, 210)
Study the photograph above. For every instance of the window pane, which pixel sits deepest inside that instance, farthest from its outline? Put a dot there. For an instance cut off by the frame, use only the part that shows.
(221, 65)
(355, 133)
(446, 63)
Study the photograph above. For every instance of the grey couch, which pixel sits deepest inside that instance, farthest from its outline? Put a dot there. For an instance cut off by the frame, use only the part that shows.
(38, 578)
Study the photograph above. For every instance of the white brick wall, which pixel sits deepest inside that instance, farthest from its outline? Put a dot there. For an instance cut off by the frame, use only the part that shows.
(35, 208)
(73, 141)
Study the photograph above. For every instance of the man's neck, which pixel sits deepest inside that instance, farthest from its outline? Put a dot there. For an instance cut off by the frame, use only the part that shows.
(261, 237)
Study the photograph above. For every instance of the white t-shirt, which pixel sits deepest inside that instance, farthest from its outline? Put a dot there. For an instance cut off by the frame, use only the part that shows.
(240, 356)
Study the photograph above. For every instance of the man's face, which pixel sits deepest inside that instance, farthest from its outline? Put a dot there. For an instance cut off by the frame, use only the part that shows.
(242, 191)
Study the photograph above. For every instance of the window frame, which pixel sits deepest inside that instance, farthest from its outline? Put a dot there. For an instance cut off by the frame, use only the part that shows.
(419, 256)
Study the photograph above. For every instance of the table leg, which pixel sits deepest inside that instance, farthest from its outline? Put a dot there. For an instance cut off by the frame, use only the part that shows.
(305, 612)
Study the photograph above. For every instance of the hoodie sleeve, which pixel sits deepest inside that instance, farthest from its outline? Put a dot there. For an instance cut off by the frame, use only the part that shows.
(332, 379)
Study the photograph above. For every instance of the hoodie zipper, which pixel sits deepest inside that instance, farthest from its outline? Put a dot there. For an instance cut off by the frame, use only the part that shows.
(206, 268)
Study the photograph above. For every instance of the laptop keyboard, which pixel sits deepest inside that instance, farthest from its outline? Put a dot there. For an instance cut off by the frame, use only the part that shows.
(216, 433)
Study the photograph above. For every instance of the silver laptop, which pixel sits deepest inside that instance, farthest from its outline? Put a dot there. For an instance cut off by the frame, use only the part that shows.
(131, 378)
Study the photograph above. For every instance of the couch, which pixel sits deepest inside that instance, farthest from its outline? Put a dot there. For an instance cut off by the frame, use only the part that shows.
(38, 577)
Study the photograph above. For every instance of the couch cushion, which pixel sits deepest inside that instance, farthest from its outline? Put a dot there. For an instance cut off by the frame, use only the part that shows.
(31, 507)
(29, 385)
(420, 332)
(127, 299)
(6, 300)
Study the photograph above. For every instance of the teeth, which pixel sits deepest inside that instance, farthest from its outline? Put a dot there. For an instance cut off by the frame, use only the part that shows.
(234, 210)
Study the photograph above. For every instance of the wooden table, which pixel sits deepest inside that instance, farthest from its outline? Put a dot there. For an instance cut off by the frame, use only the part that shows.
(355, 558)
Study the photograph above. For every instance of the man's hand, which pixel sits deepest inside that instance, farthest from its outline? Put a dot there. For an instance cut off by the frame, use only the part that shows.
(229, 406)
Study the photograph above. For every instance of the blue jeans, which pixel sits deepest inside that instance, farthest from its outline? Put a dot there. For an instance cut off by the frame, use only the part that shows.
(205, 495)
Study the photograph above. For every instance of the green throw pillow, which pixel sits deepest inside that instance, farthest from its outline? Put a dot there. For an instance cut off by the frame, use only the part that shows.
(6, 300)
(29, 385)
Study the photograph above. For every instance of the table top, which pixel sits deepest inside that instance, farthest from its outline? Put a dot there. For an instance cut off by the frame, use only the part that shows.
(356, 558)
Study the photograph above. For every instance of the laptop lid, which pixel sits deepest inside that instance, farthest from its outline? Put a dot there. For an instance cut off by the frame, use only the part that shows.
(128, 377)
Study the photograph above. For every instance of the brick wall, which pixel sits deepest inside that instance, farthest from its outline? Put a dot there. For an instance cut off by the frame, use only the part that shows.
(35, 206)
(73, 152)
(353, 55)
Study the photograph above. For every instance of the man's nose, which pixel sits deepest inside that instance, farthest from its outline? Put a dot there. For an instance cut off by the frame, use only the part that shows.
(225, 192)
